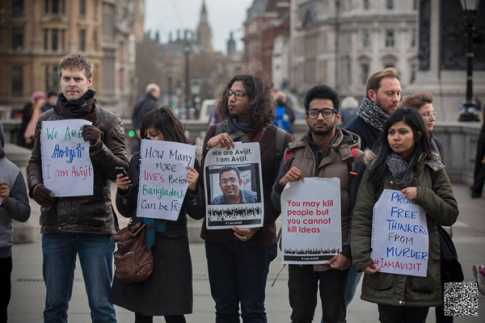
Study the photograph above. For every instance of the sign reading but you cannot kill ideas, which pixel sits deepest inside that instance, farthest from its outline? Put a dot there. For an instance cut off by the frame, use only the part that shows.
(163, 178)
(400, 239)
(312, 230)
(66, 166)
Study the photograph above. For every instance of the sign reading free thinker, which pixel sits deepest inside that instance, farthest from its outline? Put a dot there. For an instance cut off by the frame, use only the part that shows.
(163, 178)
(400, 239)
(66, 166)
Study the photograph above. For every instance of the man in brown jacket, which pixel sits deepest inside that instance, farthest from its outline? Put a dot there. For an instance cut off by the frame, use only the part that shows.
(325, 151)
(81, 225)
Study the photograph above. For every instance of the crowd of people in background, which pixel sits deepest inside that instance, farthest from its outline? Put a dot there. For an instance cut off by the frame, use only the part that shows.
(385, 142)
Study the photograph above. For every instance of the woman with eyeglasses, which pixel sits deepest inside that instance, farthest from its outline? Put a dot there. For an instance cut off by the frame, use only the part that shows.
(238, 259)
(423, 103)
(405, 162)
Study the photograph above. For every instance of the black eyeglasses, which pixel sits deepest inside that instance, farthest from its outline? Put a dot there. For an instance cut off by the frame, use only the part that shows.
(326, 113)
(237, 94)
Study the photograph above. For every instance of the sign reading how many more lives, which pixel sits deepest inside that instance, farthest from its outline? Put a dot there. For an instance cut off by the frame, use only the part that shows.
(400, 239)
(312, 230)
(163, 178)
(66, 166)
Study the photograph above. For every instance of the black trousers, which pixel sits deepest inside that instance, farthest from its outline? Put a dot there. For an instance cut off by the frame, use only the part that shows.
(402, 314)
(478, 181)
(5, 273)
(140, 318)
(303, 284)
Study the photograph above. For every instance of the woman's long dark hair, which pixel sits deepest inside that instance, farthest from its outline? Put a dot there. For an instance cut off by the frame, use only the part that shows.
(422, 144)
(164, 120)
(260, 109)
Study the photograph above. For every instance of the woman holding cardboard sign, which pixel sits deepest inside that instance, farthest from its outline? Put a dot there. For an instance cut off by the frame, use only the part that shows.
(168, 291)
(404, 163)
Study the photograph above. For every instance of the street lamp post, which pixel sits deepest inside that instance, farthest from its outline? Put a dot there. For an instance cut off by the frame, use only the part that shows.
(188, 99)
(470, 8)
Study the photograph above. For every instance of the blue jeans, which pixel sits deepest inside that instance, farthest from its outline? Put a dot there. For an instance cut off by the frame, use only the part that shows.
(96, 257)
(237, 274)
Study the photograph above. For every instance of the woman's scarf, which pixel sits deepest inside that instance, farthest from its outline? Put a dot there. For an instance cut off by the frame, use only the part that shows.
(372, 114)
(400, 170)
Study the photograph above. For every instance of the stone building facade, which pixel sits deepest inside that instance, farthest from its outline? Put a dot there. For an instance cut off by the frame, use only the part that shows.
(36, 34)
(341, 42)
(266, 20)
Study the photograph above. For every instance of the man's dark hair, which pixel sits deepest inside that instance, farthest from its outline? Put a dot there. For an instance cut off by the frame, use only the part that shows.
(165, 121)
(260, 103)
(229, 169)
(422, 143)
(76, 61)
(321, 92)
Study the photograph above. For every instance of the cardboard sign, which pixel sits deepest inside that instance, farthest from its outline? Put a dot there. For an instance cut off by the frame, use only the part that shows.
(400, 239)
(163, 178)
(66, 165)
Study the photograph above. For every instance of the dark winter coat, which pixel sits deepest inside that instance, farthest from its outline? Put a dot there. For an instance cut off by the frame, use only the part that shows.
(84, 214)
(368, 134)
(168, 291)
(435, 196)
(146, 104)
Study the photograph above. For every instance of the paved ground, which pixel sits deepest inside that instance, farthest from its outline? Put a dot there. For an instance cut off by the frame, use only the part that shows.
(29, 292)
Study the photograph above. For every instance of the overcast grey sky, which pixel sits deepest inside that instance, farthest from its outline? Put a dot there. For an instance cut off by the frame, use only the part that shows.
(224, 16)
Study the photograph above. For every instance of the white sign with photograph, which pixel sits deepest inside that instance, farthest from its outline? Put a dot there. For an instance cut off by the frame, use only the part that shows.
(234, 187)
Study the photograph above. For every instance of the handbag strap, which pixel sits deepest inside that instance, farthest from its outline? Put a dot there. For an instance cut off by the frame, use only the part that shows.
(115, 217)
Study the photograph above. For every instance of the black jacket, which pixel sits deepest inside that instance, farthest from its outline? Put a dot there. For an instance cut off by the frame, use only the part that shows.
(84, 214)
(368, 134)
(146, 104)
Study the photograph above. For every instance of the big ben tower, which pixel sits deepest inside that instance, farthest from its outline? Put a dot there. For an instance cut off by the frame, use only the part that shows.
(204, 32)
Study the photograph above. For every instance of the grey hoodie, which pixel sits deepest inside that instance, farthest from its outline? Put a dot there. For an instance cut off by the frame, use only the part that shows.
(15, 207)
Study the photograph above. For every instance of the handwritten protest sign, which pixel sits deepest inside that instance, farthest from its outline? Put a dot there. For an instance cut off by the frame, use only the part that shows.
(163, 178)
(234, 195)
(312, 230)
(400, 239)
(66, 166)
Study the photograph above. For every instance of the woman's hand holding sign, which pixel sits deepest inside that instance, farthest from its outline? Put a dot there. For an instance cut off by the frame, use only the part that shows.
(371, 269)
(410, 193)
(243, 234)
(293, 175)
(222, 140)
(192, 178)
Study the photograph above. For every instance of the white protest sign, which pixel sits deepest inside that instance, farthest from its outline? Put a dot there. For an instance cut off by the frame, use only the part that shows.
(163, 178)
(234, 187)
(400, 239)
(66, 166)
(312, 229)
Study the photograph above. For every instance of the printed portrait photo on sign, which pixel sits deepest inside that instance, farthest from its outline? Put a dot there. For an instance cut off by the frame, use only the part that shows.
(233, 184)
